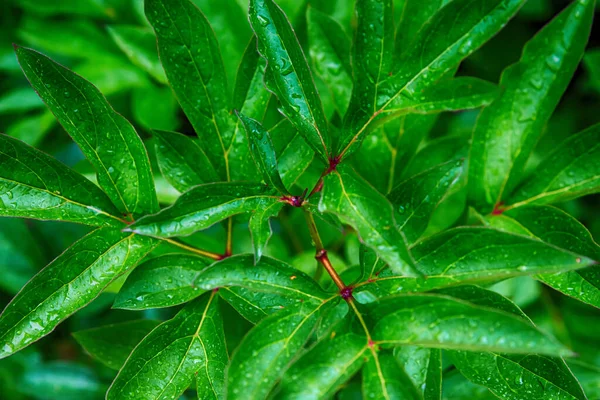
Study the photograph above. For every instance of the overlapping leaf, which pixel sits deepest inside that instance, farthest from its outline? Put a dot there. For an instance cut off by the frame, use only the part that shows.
(35, 185)
(203, 206)
(571, 171)
(67, 284)
(106, 138)
(289, 76)
(509, 128)
(357, 203)
(189, 346)
(558, 229)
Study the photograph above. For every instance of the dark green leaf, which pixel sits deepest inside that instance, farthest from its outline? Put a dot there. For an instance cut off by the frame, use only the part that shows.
(437, 49)
(357, 203)
(329, 49)
(558, 229)
(112, 344)
(263, 153)
(106, 138)
(434, 320)
(182, 161)
(139, 45)
(268, 275)
(290, 76)
(508, 129)
(424, 368)
(416, 198)
(448, 95)
(21, 255)
(163, 281)
(260, 227)
(384, 378)
(67, 284)
(252, 304)
(35, 185)
(295, 156)
(414, 14)
(572, 170)
(519, 377)
(165, 363)
(470, 254)
(390, 147)
(266, 351)
(203, 206)
(318, 373)
(190, 56)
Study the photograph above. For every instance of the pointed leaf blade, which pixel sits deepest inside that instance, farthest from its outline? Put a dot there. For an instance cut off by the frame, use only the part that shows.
(358, 204)
(52, 192)
(290, 76)
(502, 141)
(192, 61)
(107, 139)
(67, 284)
(165, 363)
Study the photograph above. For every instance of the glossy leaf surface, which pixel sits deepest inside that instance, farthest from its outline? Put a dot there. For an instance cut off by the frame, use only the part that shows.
(290, 77)
(166, 361)
(52, 192)
(67, 284)
(509, 128)
(358, 204)
(107, 139)
(203, 206)
(161, 282)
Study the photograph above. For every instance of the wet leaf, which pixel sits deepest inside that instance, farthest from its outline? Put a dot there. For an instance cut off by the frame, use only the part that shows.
(67, 284)
(107, 139)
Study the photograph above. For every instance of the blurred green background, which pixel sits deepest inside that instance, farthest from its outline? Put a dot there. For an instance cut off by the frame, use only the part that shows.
(110, 43)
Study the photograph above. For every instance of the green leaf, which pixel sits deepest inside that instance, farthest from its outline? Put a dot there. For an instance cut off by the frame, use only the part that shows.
(254, 305)
(290, 78)
(518, 377)
(508, 129)
(372, 61)
(319, 372)
(263, 153)
(182, 161)
(251, 98)
(416, 198)
(203, 206)
(260, 227)
(559, 229)
(19, 100)
(329, 49)
(61, 380)
(424, 369)
(358, 204)
(166, 361)
(190, 56)
(384, 378)
(390, 147)
(571, 171)
(163, 281)
(106, 138)
(438, 48)
(440, 321)
(67, 284)
(268, 275)
(414, 15)
(267, 350)
(295, 156)
(470, 254)
(112, 344)
(437, 152)
(35, 185)
(139, 45)
(155, 107)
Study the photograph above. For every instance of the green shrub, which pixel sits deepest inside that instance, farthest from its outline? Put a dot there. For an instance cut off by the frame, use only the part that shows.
(432, 233)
